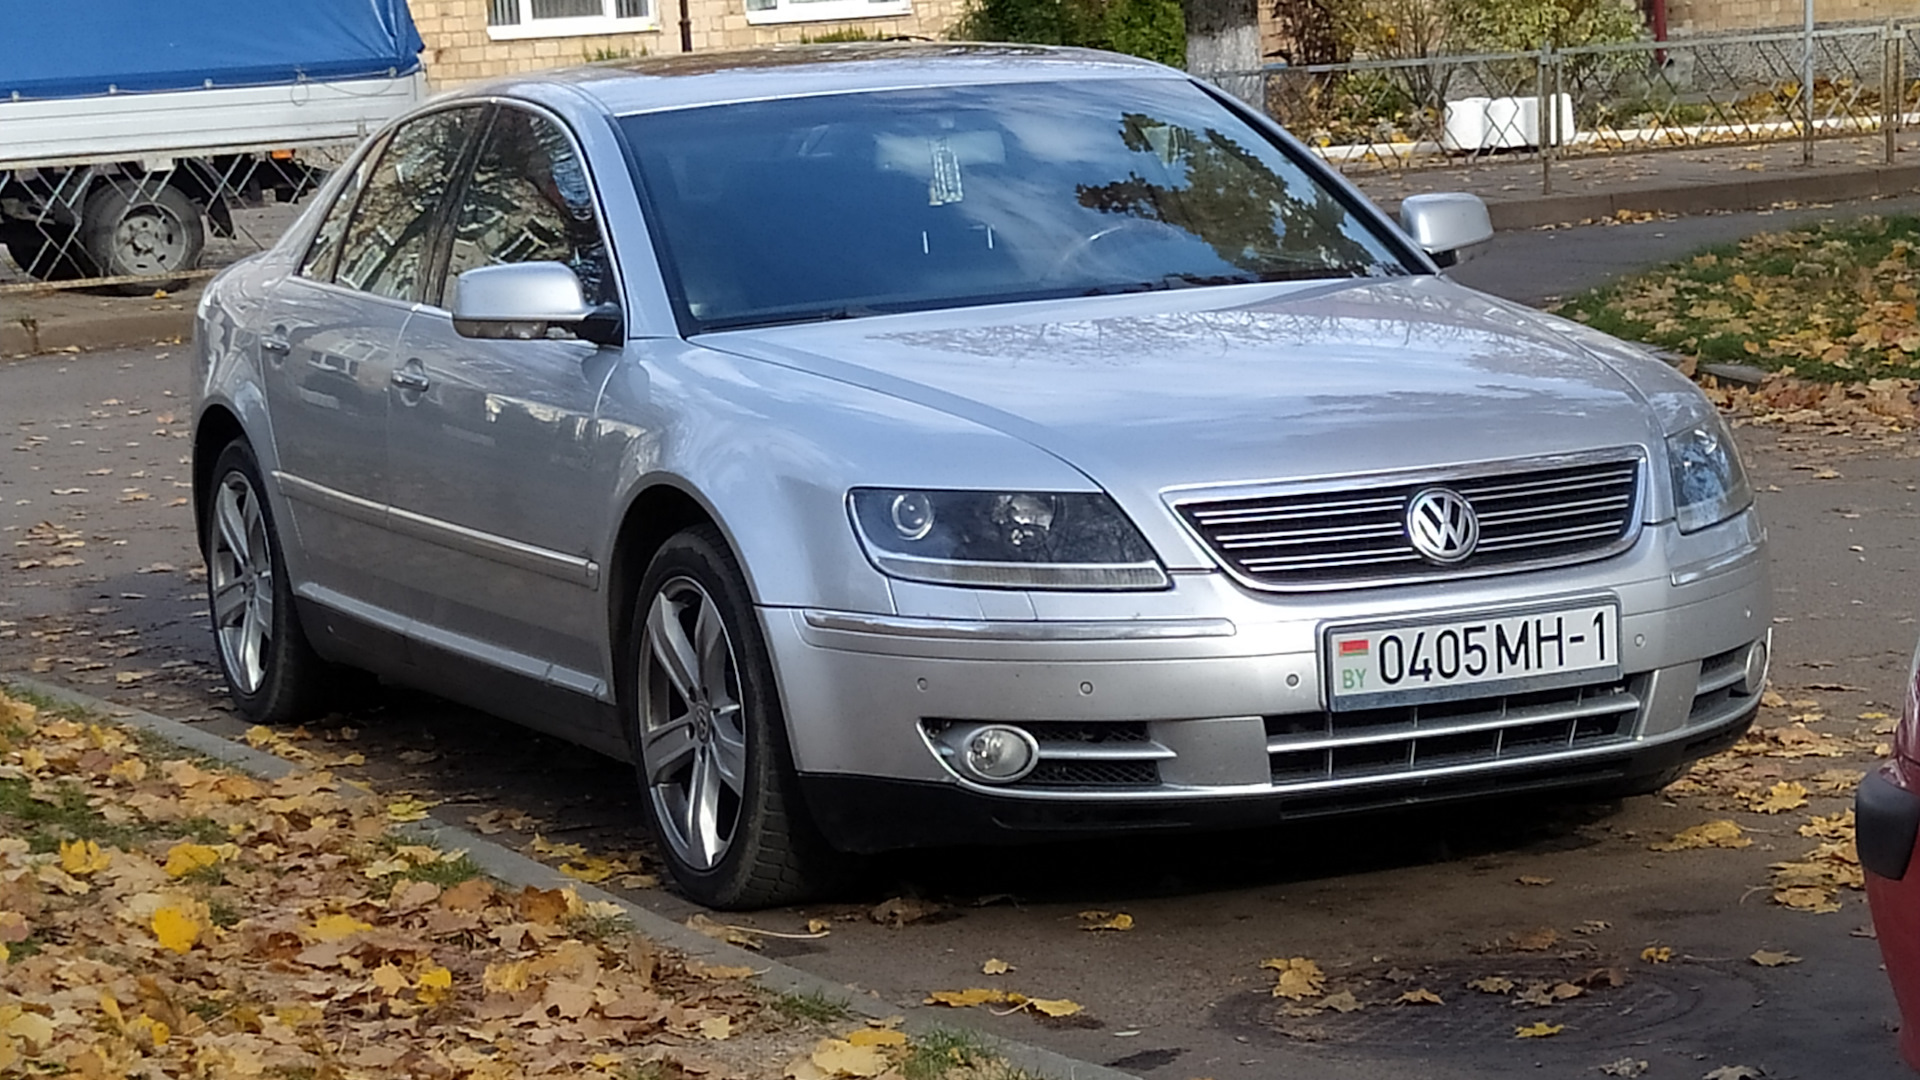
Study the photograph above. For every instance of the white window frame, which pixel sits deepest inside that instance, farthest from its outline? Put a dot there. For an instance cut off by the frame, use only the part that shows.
(795, 11)
(579, 26)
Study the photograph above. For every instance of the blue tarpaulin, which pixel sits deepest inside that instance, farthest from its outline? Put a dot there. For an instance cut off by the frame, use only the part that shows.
(79, 48)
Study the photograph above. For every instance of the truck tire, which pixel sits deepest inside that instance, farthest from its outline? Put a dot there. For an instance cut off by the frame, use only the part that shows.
(45, 258)
(138, 229)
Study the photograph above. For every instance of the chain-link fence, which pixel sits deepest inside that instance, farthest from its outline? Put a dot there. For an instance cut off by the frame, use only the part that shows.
(132, 229)
(1602, 99)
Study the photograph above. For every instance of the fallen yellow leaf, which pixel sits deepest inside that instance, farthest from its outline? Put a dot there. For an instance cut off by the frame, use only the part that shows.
(716, 1028)
(83, 857)
(185, 858)
(995, 967)
(1055, 1007)
(1300, 978)
(1721, 834)
(1538, 1030)
(177, 929)
(1105, 920)
(336, 927)
(434, 985)
(961, 999)
(838, 1057)
(1421, 996)
(1769, 958)
(1656, 954)
(877, 1037)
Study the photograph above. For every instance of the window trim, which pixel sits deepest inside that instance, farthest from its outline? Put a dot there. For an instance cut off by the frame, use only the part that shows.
(367, 159)
(799, 11)
(527, 27)
(462, 166)
(438, 282)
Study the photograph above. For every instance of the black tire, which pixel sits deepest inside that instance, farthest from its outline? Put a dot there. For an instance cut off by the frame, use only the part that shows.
(288, 685)
(47, 259)
(773, 854)
(139, 227)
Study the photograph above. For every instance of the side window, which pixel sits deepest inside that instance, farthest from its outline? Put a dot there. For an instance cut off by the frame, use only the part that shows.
(388, 244)
(323, 254)
(529, 201)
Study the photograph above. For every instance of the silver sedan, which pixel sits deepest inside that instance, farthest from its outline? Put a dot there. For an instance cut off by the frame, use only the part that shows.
(921, 444)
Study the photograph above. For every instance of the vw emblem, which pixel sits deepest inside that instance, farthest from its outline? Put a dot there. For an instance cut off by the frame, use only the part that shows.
(1442, 526)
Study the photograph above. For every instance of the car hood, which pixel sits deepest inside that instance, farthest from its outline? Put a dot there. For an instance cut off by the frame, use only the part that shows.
(1149, 392)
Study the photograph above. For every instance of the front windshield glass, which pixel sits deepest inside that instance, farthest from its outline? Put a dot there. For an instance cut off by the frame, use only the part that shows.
(852, 204)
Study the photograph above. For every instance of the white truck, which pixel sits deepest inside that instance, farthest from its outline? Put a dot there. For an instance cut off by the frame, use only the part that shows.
(131, 129)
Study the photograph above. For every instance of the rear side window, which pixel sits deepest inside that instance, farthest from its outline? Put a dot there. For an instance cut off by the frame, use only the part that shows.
(323, 254)
(529, 201)
(389, 242)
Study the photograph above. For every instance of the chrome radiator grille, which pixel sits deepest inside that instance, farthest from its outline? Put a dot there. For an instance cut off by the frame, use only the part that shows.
(1528, 516)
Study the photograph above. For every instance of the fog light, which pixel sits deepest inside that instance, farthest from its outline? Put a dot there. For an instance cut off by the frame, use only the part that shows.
(1759, 657)
(994, 753)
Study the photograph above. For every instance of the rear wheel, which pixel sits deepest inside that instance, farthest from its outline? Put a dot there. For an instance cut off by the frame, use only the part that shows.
(709, 738)
(140, 228)
(271, 671)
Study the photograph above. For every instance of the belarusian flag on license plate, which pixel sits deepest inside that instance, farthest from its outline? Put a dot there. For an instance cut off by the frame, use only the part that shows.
(1353, 647)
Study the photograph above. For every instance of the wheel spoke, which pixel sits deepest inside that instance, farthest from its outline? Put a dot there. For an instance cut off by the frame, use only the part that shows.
(252, 637)
(231, 521)
(730, 753)
(263, 600)
(672, 649)
(710, 639)
(229, 604)
(703, 812)
(667, 749)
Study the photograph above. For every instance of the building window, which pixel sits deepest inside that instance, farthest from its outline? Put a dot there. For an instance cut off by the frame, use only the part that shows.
(788, 11)
(509, 19)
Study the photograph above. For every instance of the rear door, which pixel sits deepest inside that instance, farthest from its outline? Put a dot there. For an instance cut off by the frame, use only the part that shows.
(490, 442)
(327, 347)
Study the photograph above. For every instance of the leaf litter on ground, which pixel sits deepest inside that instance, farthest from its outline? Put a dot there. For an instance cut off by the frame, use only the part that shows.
(162, 917)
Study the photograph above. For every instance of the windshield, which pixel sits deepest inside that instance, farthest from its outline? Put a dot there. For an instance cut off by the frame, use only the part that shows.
(852, 204)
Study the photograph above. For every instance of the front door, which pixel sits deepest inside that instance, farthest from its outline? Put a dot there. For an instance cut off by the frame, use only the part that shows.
(490, 443)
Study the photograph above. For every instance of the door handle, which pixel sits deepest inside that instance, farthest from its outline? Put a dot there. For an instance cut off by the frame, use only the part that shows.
(275, 342)
(411, 378)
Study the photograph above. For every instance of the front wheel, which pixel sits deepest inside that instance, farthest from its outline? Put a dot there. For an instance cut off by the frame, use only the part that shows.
(271, 671)
(709, 738)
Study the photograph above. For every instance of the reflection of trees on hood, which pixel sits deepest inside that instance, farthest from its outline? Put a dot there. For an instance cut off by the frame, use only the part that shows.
(1251, 217)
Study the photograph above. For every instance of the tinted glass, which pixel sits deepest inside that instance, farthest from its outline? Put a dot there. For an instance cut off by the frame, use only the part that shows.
(387, 245)
(838, 205)
(324, 252)
(529, 200)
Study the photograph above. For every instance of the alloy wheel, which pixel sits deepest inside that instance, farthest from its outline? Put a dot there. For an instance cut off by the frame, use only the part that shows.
(693, 732)
(240, 580)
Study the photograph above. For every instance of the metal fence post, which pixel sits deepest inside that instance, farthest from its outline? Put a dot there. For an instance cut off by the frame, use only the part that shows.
(1542, 112)
(1891, 105)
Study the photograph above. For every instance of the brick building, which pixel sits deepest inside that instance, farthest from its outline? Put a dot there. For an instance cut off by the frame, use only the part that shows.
(1731, 16)
(475, 39)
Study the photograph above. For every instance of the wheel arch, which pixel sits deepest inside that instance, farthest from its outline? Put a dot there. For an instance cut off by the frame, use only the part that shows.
(216, 427)
(658, 511)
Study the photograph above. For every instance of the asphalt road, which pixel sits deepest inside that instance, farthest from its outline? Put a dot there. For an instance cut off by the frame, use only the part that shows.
(96, 447)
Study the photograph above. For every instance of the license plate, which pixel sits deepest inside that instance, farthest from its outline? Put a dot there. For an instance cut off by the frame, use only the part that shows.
(1393, 663)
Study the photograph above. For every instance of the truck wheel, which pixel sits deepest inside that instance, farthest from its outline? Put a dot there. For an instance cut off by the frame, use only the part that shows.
(45, 258)
(135, 229)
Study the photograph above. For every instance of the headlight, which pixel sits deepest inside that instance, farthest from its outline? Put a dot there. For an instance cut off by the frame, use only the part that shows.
(1018, 540)
(1709, 485)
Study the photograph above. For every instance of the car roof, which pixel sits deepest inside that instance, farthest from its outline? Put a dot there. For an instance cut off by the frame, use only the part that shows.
(688, 80)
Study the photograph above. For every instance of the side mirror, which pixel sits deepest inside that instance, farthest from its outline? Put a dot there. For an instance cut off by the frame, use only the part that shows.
(531, 301)
(1445, 224)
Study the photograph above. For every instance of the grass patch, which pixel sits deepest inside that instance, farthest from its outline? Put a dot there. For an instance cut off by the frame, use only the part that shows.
(443, 873)
(944, 1054)
(1833, 302)
(813, 1005)
(66, 815)
(599, 927)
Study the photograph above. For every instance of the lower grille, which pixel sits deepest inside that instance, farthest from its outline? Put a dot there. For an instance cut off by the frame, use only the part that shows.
(1718, 696)
(1311, 747)
(1091, 774)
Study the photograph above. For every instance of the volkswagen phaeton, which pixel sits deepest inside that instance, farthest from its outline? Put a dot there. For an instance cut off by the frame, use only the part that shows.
(919, 444)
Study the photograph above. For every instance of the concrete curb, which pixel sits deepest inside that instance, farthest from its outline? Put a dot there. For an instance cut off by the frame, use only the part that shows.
(116, 331)
(516, 869)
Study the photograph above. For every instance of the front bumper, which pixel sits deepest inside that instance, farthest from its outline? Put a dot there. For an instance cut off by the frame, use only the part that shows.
(1203, 705)
(1887, 825)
